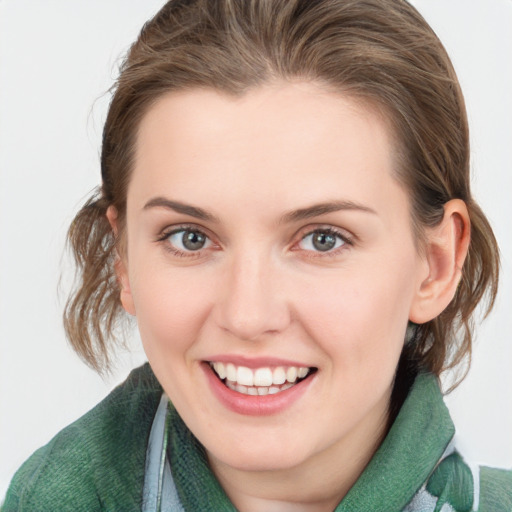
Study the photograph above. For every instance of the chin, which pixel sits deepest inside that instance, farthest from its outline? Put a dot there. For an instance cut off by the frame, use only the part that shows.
(258, 458)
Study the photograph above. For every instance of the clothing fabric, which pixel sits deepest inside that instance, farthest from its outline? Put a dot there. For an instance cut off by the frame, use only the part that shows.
(133, 452)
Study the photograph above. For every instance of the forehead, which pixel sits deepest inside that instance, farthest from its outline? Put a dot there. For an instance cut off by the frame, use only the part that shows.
(297, 141)
(305, 109)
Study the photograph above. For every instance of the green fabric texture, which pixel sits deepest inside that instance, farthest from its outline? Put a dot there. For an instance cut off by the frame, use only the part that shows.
(202, 491)
(452, 483)
(495, 490)
(98, 462)
(413, 446)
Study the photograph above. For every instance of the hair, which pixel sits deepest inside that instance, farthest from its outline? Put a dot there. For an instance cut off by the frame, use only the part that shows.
(378, 51)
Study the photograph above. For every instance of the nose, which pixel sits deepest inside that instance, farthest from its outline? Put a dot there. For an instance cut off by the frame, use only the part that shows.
(252, 300)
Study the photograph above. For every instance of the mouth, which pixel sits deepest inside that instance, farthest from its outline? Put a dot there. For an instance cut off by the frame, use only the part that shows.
(260, 381)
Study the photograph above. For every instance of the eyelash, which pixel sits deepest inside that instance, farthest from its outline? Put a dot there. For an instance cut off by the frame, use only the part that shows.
(166, 234)
(346, 240)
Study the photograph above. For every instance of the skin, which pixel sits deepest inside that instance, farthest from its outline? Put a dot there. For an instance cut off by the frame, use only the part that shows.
(259, 288)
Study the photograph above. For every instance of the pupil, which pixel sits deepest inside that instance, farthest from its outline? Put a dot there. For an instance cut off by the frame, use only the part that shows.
(324, 241)
(193, 241)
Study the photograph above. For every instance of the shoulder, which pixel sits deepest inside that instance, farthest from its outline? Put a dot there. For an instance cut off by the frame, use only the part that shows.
(495, 489)
(54, 469)
(471, 488)
(98, 461)
(451, 483)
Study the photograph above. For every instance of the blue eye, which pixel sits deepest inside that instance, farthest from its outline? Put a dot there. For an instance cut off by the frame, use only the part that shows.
(322, 240)
(188, 240)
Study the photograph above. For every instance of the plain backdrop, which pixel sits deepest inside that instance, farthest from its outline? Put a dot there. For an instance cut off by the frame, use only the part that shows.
(57, 60)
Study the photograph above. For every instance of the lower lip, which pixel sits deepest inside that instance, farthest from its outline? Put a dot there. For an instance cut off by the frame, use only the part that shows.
(251, 405)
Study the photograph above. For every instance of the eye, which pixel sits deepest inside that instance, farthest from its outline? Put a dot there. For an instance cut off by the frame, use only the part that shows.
(188, 240)
(322, 240)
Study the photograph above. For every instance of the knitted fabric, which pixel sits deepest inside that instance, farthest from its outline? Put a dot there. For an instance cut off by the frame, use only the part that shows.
(97, 463)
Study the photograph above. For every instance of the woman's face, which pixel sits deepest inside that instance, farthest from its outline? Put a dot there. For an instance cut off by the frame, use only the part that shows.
(267, 236)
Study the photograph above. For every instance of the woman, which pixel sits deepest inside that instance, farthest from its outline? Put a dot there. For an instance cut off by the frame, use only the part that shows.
(285, 208)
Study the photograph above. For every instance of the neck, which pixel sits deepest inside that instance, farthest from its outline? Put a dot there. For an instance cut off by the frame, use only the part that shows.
(316, 484)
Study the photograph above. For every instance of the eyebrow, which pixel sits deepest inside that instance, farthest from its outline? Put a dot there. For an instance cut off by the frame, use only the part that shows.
(186, 209)
(324, 208)
(292, 216)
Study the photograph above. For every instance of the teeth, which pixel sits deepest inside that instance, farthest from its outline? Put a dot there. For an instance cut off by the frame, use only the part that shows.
(291, 374)
(261, 381)
(279, 376)
(230, 371)
(302, 372)
(244, 376)
(220, 369)
(263, 377)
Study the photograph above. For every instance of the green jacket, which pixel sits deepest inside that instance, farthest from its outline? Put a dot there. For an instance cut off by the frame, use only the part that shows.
(98, 462)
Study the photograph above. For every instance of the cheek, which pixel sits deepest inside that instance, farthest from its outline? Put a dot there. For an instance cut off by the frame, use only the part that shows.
(359, 316)
(171, 309)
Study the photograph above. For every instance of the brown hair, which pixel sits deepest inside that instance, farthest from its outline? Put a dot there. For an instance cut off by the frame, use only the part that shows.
(381, 51)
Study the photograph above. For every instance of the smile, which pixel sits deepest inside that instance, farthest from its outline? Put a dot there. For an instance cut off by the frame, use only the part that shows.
(260, 381)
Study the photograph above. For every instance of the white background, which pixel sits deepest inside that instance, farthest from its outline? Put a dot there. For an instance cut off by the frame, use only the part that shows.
(57, 60)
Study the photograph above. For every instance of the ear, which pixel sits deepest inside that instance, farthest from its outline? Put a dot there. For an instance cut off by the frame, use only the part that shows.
(121, 266)
(446, 249)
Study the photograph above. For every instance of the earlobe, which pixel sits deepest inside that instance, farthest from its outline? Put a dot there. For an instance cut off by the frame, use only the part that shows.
(120, 266)
(126, 294)
(446, 249)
